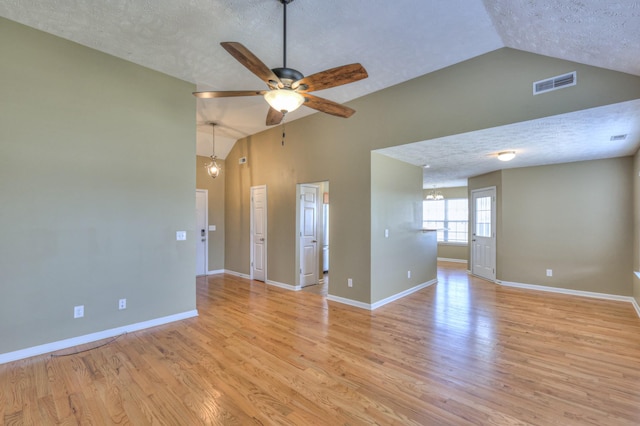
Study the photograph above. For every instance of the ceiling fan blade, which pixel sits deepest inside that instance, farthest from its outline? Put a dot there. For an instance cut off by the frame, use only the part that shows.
(228, 93)
(252, 63)
(331, 78)
(274, 117)
(327, 106)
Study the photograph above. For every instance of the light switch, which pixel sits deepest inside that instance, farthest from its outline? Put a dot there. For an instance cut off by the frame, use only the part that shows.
(212, 227)
(181, 235)
(386, 233)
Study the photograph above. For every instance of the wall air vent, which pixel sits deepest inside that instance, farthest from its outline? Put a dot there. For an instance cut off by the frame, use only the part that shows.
(554, 83)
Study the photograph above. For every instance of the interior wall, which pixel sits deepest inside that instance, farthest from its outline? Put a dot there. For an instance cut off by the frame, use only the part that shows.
(486, 91)
(552, 219)
(396, 207)
(215, 188)
(636, 225)
(96, 177)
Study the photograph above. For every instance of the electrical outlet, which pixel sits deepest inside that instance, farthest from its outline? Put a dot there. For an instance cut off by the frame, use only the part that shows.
(549, 272)
(181, 235)
(408, 274)
(122, 304)
(349, 282)
(78, 311)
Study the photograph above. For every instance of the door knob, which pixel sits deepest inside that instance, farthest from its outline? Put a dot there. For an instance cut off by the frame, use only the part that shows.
(314, 241)
(261, 239)
(204, 239)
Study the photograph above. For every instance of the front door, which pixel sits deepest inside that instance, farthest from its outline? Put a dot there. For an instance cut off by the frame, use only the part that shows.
(201, 232)
(308, 235)
(259, 233)
(483, 241)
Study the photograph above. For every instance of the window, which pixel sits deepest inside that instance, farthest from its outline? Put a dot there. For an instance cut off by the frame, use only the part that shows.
(450, 217)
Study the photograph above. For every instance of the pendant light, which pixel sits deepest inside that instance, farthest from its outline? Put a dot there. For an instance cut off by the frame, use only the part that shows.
(434, 195)
(212, 168)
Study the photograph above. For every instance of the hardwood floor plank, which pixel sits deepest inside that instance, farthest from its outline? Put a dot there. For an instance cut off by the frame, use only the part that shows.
(462, 352)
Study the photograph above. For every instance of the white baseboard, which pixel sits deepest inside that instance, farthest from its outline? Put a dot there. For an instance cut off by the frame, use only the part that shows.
(402, 294)
(216, 271)
(634, 302)
(237, 274)
(446, 259)
(349, 302)
(93, 337)
(581, 293)
(372, 306)
(283, 285)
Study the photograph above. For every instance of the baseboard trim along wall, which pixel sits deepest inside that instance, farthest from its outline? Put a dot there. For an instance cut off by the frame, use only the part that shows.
(283, 285)
(446, 259)
(237, 274)
(372, 306)
(570, 292)
(217, 271)
(93, 337)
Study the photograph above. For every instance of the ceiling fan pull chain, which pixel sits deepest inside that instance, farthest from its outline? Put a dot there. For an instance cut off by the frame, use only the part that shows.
(284, 129)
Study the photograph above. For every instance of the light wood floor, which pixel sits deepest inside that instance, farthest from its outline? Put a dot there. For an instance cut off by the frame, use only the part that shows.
(463, 351)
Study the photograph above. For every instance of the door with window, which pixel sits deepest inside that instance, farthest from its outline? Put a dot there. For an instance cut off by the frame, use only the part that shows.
(483, 239)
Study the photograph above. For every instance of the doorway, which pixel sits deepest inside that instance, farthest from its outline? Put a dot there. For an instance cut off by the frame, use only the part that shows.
(259, 233)
(483, 241)
(313, 236)
(202, 251)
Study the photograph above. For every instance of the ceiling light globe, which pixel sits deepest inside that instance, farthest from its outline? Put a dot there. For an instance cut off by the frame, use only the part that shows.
(506, 156)
(284, 100)
(212, 168)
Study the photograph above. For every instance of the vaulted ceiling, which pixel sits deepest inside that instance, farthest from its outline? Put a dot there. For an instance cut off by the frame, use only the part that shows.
(394, 40)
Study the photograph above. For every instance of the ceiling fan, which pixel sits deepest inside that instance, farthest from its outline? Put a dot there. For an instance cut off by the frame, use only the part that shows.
(289, 88)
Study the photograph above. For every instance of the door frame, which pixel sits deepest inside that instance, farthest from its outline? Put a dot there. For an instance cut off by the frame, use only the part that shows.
(318, 231)
(206, 227)
(494, 229)
(266, 240)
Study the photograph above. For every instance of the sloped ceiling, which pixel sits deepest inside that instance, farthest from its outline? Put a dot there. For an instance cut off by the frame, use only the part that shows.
(394, 40)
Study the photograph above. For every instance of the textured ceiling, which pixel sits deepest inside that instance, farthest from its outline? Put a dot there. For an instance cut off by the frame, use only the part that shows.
(579, 136)
(394, 40)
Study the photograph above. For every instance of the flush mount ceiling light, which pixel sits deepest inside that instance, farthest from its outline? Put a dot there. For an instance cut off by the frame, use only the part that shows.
(506, 155)
(212, 168)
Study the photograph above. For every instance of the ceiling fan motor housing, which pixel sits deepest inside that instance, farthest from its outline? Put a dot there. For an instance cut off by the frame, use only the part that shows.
(287, 75)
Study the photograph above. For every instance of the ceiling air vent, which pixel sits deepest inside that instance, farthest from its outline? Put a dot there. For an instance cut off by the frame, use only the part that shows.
(554, 83)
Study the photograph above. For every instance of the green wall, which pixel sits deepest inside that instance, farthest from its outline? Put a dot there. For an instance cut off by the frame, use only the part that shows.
(549, 218)
(215, 192)
(487, 91)
(96, 177)
(636, 225)
(396, 206)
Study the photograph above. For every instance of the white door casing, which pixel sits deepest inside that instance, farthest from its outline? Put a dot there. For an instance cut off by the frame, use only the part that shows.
(259, 232)
(201, 236)
(483, 235)
(308, 207)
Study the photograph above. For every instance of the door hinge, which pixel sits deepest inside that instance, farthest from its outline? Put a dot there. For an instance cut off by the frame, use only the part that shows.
(300, 270)
(252, 264)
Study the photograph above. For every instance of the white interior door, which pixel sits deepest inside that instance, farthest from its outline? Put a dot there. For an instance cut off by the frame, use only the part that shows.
(483, 240)
(308, 235)
(259, 233)
(201, 232)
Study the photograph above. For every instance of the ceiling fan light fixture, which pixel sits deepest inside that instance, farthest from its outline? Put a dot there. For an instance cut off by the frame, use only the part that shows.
(506, 155)
(284, 100)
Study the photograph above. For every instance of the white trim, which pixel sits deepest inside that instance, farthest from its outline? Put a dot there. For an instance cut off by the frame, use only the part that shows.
(283, 285)
(206, 227)
(570, 292)
(349, 302)
(402, 294)
(93, 337)
(372, 306)
(237, 274)
(214, 272)
(634, 302)
(446, 259)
